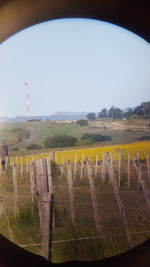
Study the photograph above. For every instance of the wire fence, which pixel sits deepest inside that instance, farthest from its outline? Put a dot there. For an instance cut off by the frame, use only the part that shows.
(108, 204)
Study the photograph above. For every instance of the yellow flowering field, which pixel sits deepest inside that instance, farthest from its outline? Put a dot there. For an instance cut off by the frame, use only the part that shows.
(142, 147)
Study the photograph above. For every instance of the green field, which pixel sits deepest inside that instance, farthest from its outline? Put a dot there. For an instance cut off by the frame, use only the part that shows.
(41, 130)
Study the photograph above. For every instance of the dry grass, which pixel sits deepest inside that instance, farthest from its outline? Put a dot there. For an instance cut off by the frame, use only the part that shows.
(23, 228)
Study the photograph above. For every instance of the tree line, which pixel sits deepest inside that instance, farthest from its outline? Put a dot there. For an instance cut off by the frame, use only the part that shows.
(116, 113)
(58, 141)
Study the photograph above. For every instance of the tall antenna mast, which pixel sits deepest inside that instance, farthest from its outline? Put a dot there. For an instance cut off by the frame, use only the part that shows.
(27, 97)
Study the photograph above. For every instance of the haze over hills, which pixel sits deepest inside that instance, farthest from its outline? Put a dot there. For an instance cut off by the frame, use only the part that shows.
(57, 116)
(64, 115)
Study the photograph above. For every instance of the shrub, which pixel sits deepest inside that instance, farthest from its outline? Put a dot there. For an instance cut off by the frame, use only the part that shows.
(34, 146)
(128, 130)
(20, 132)
(96, 137)
(60, 141)
(15, 148)
(85, 142)
(147, 116)
(143, 138)
(82, 122)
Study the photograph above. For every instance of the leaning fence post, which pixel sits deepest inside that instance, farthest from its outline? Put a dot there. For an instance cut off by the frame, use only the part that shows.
(96, 165)
(27, 164)
(7, 162)
(0, 164)
(75, 167)
(129, 170)
(71, 193)
(137, 169)
(148, 167)
(32, 180)
(94, 198)
(21, 166)
(1, 199)
(119, 170)
(142, 184)
(62, 164)
(119, 201)
(82, 163)
(104, 166)
(15, 186)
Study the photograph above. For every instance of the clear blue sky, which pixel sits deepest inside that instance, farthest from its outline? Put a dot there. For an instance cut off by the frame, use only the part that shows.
(73, 65)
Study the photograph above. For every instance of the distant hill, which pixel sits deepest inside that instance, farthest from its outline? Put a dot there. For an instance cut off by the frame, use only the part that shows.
(64, 115)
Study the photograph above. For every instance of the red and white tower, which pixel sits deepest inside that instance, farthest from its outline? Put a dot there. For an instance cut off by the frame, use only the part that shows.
(27, 97)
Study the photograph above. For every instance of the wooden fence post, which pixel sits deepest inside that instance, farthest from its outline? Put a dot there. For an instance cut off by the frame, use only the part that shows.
(137, 169)
(32, 180)
(142, 184)
(47, 228)
(1, 199)
(148, 167)
(49, 173)
(82, 164)
(51, 226)
(15, 186)
(75, 167)
(129, 175)
(119, 201)
(50, 182)
(71, 193)
(94, 198)
(62, 164)
(119, 170)
(21, 166)
(43, 174)
(104, 166)
(96, 165)
(7, 162)
(40, 189)
(0, 164)
(27, 164)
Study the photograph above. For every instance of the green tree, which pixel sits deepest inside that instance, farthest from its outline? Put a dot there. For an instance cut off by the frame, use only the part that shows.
(128, 113)
(143, 109)
(103, 113)
(91, 116)
(60, 141)
(115, 113)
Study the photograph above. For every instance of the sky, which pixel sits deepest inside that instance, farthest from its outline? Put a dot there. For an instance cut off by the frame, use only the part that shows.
(77, 65)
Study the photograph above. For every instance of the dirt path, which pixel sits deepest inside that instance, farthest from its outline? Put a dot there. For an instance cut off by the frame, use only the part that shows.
(127, 126)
